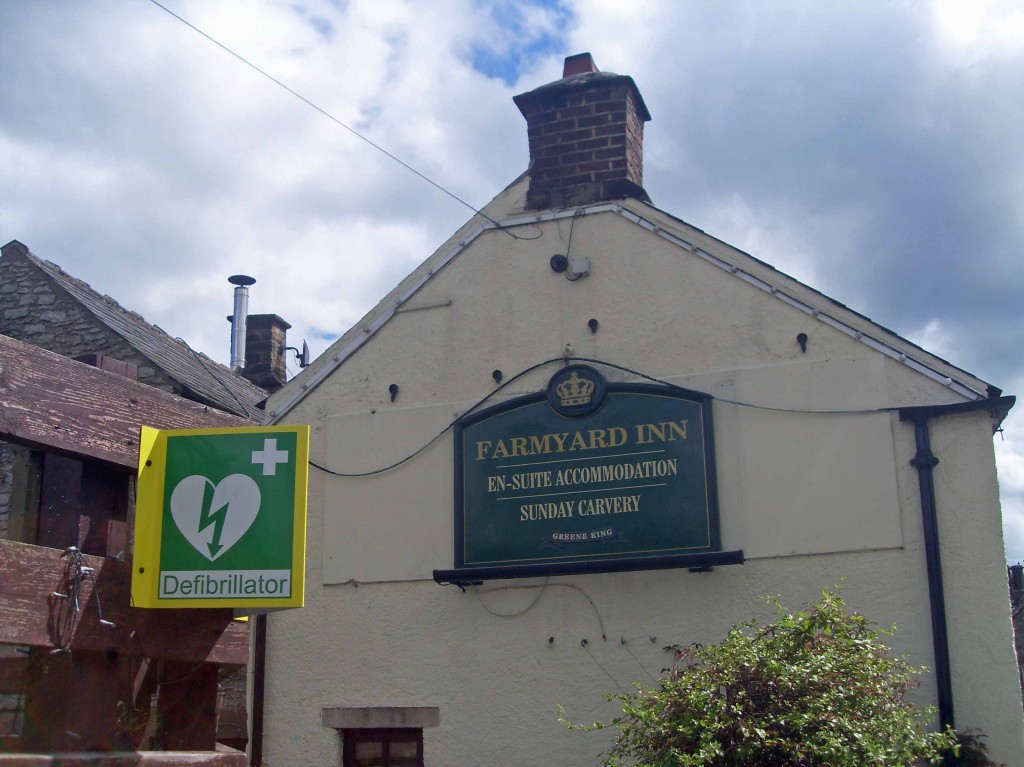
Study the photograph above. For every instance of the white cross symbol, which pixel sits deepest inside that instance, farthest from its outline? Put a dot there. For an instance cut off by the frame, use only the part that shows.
(269, 456)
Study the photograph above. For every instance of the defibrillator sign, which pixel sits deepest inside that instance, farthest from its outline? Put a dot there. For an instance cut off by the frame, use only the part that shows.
(221, 518)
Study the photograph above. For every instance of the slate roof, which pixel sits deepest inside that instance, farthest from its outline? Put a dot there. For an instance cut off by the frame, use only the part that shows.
(203, 378)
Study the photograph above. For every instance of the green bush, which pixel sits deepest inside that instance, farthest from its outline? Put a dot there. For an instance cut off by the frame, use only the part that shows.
(815, 688)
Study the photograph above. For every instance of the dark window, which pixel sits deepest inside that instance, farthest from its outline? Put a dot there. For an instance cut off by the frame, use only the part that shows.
(399, 747)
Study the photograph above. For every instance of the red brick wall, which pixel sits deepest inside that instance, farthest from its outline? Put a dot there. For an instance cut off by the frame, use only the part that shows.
(586, 141)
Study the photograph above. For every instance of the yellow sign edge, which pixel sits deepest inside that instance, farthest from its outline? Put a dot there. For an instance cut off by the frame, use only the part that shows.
(146, 565)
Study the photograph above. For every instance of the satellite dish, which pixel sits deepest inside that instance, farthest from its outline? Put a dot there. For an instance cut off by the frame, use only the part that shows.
(303, 356)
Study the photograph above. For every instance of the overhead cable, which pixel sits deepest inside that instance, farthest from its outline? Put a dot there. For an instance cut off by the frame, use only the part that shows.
(334, 119)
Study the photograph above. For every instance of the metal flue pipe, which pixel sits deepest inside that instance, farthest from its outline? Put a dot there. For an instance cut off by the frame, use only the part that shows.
(238, 319)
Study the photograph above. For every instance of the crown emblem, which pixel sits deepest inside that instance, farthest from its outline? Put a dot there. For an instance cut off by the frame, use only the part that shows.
(574, 391)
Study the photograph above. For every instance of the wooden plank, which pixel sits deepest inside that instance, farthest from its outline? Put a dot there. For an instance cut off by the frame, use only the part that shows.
(29, 576)
(50, 402)
(187, 707)
(59, 502)
(71, 701)
(103, 510)
(127, 759)
(103, 362)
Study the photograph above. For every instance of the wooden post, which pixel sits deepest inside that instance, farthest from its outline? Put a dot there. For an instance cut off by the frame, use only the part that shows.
(71, 701)
(187, 707)
(58, 513)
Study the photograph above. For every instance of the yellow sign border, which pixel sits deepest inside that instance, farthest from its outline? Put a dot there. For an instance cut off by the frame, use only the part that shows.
(149, 520)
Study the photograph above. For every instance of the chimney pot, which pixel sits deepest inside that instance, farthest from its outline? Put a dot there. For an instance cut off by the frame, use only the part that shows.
(580, 64)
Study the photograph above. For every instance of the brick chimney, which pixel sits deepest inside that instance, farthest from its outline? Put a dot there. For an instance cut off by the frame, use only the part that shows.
(265, 341)
(586, 136)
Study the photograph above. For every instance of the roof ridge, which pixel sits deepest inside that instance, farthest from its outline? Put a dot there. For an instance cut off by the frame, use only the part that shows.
(201, 374)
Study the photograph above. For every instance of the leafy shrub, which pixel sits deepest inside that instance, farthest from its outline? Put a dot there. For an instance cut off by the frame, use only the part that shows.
(816, 688)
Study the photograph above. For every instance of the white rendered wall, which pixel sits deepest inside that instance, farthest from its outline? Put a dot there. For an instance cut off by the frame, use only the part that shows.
(811, 499)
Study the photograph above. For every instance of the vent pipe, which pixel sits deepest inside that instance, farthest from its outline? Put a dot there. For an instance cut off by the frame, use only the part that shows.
(238, 318)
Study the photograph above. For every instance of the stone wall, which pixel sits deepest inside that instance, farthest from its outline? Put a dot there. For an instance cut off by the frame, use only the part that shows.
(34, 310)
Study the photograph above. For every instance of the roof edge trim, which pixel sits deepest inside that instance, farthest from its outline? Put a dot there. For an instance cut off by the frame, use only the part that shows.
(339, 357)
(368, 331)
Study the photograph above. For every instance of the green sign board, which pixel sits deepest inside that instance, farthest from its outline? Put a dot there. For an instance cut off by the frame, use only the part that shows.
(588, 471)
(221, 518)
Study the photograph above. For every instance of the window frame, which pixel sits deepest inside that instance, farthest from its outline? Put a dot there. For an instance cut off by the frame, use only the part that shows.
(383, 735)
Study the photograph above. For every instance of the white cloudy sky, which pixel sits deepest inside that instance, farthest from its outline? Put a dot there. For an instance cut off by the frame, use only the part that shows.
(872, 149)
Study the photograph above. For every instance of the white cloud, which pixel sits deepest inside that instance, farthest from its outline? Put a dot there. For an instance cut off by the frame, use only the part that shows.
(871, 151)
(935, 338)
(980, 28)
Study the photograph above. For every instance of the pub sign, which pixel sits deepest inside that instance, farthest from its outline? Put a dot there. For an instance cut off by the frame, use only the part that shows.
(587, 471)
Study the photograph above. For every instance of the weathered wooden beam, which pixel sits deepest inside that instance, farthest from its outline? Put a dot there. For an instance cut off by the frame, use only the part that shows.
(32, 615)
(127, 759)
(71, 701)
(50, 402)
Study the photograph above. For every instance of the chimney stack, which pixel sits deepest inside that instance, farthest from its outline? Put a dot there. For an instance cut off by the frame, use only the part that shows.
(586, 135)
(265, 341)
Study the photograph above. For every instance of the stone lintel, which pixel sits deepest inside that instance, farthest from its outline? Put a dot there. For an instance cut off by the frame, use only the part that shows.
(376, 717)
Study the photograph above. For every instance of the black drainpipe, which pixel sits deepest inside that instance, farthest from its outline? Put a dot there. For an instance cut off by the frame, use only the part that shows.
(925, 462)
(259, 676)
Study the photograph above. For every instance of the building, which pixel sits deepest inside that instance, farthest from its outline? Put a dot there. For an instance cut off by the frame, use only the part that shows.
(81, 670)
(444, 627)
(1015, 576)
(42, 305)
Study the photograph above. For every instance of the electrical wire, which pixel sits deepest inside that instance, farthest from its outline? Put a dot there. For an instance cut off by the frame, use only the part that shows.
(852, 412)
(334, 119)
(540, 591)
(607, 673)
(568, 247)
(641, 665)
(440, 434)
(612, 365)
(597, 614)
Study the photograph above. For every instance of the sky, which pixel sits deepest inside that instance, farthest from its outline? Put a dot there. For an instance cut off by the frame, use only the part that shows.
(869, 149)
